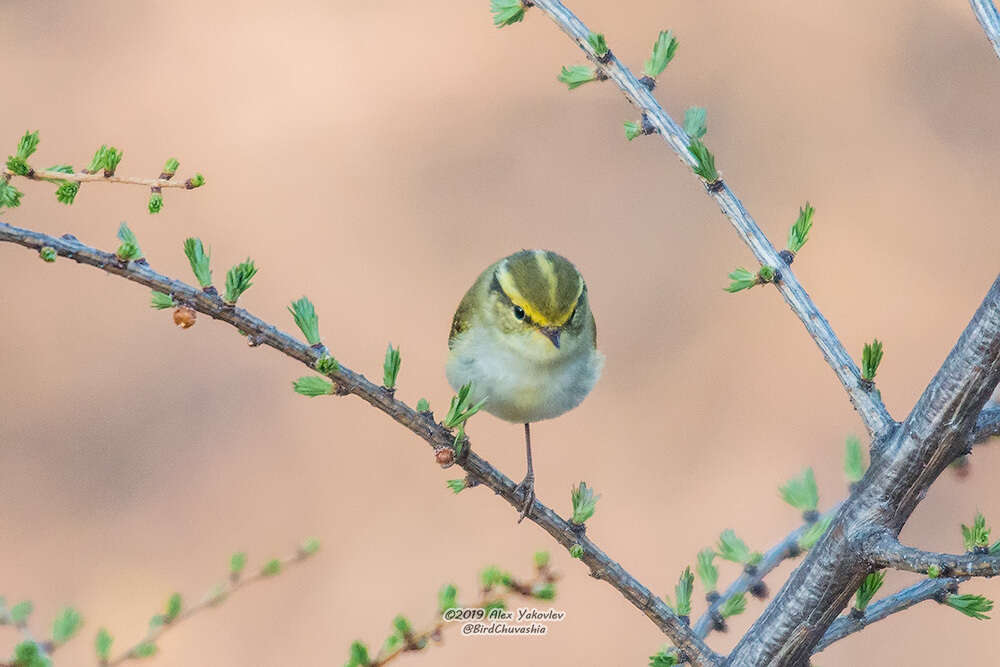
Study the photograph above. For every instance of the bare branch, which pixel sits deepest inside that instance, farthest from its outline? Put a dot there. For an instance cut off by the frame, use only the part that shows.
(885, 550)
(99, 177)
(928, 589)
(868, 403)
(989, 19)
(260, 332)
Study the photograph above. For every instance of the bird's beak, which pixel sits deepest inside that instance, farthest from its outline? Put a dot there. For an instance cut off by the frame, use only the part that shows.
(552, 333)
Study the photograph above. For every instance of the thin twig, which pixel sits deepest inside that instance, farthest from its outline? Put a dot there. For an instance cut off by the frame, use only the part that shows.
(786, 548)
(989, 19)
(928, 589)
(868, 403)
(262, 333)
(99, 177)
(885, 550)
(212, 599)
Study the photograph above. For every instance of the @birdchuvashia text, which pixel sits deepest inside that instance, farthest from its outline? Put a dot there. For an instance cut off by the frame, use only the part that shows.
(497, 622)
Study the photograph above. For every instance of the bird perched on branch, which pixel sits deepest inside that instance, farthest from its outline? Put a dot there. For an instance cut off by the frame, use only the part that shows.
(525, 337)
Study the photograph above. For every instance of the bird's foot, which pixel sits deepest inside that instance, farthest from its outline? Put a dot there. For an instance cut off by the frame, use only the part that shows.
(526, 489)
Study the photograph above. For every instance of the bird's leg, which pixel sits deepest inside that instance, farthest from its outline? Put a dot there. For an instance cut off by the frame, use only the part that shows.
(527, 485)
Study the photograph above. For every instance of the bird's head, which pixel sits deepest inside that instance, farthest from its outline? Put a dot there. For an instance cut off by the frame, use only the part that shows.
(539, 304)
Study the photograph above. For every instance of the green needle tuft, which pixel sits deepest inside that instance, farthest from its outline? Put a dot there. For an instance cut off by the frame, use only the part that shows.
(27, 145)
(869, 587)
(238, 280)
(506, 12)
(977, 536)
(854, 463)
(707, 572)
(170, 168)
(447, 597)
(575, 76)
(129, 249)
(67, 191)
(390, 367)
(312, 385)
(871, 357)
(811, 535)
(584, 503)
(155, 202)
(67, 622)
(304, 314)
(801, 492)
(705, 161)
(102, 645)
(10, 197)
(327, 365)
(694, 122)
(799, 233)
(683, 590)
(733, 549)
(663, 52)
(734, 605)
(598, 43)
(666, 657)
(161, 301)
(200, 261)
(973, 606)
(740, 279)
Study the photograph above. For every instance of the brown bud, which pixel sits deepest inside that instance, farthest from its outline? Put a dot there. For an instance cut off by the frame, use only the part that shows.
(184, 317)
(445, 456)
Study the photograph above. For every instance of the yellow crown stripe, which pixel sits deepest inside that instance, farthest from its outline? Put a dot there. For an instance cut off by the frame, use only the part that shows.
(548, 274)
(509, 287)
(548, 271)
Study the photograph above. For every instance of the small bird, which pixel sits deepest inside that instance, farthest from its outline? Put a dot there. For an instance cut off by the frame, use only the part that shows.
(525, 337)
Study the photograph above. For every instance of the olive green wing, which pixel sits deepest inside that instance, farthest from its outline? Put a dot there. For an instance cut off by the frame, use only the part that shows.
(466, 312)
(463, 317)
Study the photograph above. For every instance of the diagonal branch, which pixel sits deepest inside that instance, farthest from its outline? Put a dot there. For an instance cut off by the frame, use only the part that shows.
(868, 403)
(936, 431)
(786, 548)
(480, 471)
(214, 597)
(885, 550)
(989, 19)
(928, 589)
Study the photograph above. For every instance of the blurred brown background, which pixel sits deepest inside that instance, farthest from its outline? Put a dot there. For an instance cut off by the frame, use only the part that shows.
(376, 156)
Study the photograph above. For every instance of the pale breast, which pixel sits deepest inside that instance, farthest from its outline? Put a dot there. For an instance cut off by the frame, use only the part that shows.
(520, 390)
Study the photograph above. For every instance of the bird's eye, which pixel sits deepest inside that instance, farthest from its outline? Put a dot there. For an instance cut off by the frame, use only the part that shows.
(519, 312)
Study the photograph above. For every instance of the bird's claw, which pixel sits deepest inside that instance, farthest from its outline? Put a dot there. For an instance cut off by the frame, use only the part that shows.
(526, 489)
